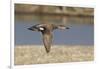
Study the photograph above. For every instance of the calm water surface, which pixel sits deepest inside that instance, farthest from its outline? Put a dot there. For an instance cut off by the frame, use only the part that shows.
(80, 32)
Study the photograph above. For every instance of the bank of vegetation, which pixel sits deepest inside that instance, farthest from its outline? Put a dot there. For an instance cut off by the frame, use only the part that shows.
(53, 10)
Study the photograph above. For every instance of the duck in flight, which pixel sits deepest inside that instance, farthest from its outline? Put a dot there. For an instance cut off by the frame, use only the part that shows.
(46, 29)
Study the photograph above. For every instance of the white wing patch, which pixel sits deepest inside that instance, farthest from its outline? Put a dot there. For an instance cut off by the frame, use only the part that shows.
(62, 27)
(41, 28)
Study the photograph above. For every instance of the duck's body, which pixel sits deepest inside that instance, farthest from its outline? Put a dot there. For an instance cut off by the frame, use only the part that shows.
(46, 30)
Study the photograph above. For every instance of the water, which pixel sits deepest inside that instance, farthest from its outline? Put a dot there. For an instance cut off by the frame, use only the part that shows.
(78, 34)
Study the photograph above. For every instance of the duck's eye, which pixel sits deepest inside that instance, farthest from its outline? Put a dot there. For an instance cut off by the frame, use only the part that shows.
(41, 28)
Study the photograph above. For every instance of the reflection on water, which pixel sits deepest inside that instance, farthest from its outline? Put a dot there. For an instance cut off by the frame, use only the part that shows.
(80, 33)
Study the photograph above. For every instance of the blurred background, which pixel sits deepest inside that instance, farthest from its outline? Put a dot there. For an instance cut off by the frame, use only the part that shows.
(79, 19)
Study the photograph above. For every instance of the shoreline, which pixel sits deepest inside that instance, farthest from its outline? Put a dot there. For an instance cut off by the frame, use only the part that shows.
(52, 45)
(25, 55)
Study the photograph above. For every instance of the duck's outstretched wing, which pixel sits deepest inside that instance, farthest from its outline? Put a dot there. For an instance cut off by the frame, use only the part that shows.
(62, 27)
(47, 40)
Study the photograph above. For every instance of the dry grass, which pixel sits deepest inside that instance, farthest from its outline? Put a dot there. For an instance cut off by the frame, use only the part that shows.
(25, 55)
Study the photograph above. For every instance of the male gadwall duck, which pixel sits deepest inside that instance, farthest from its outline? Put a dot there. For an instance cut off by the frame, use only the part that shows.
(46, 29)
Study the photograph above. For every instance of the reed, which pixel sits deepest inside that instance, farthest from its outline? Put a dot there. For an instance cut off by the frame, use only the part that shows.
(33, 54)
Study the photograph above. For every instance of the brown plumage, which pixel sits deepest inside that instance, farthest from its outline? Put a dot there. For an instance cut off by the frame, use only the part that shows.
(46, 30)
